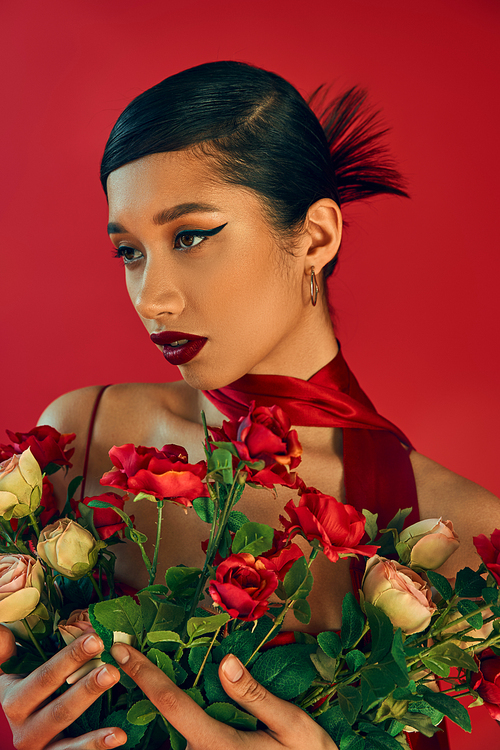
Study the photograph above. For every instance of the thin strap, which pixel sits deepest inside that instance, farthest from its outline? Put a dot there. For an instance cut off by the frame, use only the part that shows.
(89, 437)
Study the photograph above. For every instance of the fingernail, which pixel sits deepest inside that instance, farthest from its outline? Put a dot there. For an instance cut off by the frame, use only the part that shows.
(105, 678)
(92, 644)
(110, 740)
(120, 653)
(232, 668)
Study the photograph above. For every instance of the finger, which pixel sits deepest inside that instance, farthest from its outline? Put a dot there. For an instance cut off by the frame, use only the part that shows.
(38, 686)
(284, 720)
(48, 722)
(199, 729)
(102, 739)
(7, 649)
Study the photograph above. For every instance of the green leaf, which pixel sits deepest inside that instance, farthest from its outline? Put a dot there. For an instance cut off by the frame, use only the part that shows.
(398, 652)
(352, 742)
(422, 707)
(145, 496)
(376, 684)
(241, 643)
(353, 621)
(349, 702)
(142, 712)
(302, 611)
(444, 656)
(87, 519)
(469, 583)
(334, 723)
(106, 634)
(381, 631)
(490, 595)
(197, 626)
(355, 659)
(196, 658)
(104, 504)
(121, 614)
(21, 663)
(204, 508)
(236, 520)
(324, 664)
(177, 741)
(253, 538)
(469, 610)
(213, 689)
(330, 643)
(163, 662)
(298, 581)
(221, 462)
(371, 527)
(182, 581)
(231, 715)
(421, 722)
(449, 706)
(378, 739)
(196, 695)
(119, 719)
(160, 636)
(441, 584)
(135, 536)
(285, 670)
(72, 488)
(399, 519)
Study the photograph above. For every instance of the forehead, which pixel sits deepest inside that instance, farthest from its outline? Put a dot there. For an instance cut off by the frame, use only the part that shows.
(158, 181)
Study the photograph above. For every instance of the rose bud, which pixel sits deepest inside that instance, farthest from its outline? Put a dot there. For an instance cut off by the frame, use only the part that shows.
(400, 592)
(68, 548)
(429, 543)
(20, 485)
(21, 581)
(77, 624)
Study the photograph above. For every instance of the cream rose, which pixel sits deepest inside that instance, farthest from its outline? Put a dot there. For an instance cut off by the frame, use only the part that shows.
(429, 543)
(400, 592)
(68, 548)
(20, 485)
(21, 581)
(77, 624)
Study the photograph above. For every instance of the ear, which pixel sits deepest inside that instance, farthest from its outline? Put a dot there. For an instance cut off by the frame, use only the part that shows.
(323, 228)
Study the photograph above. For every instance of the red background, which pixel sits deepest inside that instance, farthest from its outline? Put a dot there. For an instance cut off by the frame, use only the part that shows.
(416, 290)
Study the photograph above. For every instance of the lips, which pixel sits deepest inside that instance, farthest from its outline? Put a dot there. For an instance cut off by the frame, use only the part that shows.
(178, 348)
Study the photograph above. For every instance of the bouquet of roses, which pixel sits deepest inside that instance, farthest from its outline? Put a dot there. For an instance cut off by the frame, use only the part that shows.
(367, 686)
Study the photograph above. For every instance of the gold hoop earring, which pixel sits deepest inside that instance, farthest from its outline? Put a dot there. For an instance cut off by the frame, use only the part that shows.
(314, 287)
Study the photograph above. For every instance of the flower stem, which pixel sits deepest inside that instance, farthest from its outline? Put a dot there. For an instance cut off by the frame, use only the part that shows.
(152, 572)
(34, 640)
(96, 587)
(35, 525)
(206, 657)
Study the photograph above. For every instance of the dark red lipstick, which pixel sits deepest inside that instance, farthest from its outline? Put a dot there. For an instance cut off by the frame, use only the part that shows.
(178, 353)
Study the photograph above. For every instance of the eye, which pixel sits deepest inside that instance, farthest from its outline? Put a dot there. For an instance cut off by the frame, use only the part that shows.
(187, 240)
(128, 254)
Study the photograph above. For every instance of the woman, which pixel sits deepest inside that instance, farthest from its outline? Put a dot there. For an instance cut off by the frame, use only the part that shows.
(224, 195)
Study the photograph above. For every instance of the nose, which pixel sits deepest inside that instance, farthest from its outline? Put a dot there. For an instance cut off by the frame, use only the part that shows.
(154, 293)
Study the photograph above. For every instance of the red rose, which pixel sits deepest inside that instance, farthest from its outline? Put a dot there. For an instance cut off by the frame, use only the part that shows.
(243, 585)
(489, 552)
(47, 445)
(264, 434)
(163, 473)
(106, 520)
(336, 527)
(486, 683)
(282, 555)
(48, 501)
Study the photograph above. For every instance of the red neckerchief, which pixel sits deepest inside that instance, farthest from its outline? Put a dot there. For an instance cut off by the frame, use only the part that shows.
(378, 474)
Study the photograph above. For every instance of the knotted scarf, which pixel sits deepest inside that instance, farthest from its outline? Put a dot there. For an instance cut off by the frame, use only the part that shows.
(378, 474)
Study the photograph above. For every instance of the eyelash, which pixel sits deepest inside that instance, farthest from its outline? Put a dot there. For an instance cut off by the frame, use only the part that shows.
(202, 234)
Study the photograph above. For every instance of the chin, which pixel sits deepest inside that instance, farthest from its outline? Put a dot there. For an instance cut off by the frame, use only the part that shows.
(203, 380)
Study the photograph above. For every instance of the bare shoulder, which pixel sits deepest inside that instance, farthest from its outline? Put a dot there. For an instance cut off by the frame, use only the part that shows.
(443, 493)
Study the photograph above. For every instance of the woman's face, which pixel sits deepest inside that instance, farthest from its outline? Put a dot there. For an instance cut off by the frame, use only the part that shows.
(234, 287)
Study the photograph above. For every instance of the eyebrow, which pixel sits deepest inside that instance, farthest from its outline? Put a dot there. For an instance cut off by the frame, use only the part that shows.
(168, 214)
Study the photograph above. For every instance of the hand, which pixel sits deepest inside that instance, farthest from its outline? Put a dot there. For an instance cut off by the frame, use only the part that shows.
(35, 720)
(288, 727)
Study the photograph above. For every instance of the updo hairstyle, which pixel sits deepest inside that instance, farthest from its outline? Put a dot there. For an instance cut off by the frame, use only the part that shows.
(261, 134)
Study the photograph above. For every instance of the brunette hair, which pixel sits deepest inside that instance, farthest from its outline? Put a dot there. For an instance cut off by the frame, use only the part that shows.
(262, 135)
